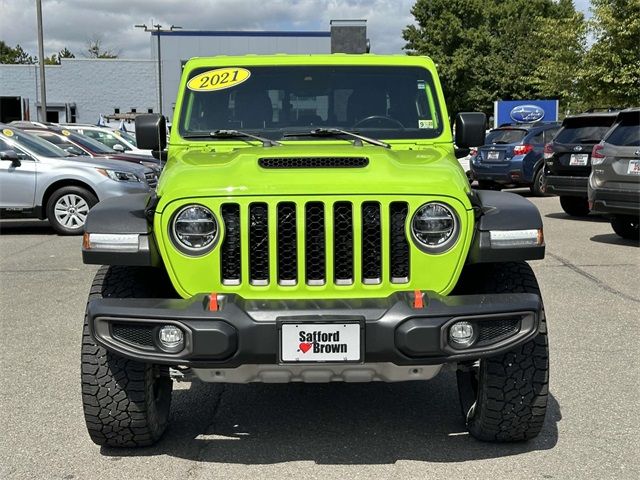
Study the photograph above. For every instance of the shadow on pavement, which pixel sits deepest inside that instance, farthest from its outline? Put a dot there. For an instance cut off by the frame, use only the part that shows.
(564, 216)
(613, 239)
(25, 227)
(337, 423)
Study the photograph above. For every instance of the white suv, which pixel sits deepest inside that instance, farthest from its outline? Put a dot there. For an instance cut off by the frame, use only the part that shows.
(119, 141)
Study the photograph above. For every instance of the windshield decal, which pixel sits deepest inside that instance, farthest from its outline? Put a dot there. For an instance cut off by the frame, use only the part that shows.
(425, 123)
(66, 133)
(218, 79)
(7, 132)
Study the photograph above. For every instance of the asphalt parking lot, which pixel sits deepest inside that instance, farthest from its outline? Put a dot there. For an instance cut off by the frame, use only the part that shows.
(590, 284)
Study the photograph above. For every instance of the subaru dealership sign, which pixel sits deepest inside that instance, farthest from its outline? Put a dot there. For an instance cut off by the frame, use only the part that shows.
(524, 111)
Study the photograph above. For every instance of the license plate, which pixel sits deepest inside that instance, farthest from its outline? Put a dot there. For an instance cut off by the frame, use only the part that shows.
(493, 155)
(579, 159)
(634, 167)
(320, 342)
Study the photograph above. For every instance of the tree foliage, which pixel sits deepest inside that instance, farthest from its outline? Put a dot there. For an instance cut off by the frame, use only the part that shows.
(488, 50)
(95, 49)
(55, 58)
(14, 55)
(611, 76)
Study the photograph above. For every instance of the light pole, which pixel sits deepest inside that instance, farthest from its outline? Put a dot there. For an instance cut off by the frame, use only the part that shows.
(158, 29)
(43, 89)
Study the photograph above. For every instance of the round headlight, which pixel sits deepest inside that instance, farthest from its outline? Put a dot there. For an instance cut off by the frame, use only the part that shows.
(435, 227)
(194, 229)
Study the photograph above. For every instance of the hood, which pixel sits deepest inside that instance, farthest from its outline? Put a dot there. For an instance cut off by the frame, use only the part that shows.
(110, 163)
(192, 173)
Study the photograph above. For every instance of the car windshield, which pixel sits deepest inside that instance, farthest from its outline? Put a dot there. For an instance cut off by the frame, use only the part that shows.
(91, 144)
(34, 144)
(626, 134)
(381, 102)
(584, 130)
(505, 136)
(128, 137)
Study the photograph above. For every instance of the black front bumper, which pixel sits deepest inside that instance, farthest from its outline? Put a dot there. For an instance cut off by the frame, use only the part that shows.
(615, 202)
(566, 186)
(243, 331)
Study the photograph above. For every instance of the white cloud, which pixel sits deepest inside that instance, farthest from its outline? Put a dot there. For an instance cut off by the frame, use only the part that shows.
(70, 23)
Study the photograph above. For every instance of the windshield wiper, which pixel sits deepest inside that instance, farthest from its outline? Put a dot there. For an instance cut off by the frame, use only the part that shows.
(266, 142)
(336, 132)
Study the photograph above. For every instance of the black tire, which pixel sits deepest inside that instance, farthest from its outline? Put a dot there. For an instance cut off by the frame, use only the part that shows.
(76, 220)
(575, 206)
(537, 188)
(504, 398)
(126, 403)
(626, 226)
(488, 185)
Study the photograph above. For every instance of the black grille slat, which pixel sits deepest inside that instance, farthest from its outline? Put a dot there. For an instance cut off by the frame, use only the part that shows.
(371, 243)
(287, 244)
(315, 243)
(152, 179)
(258, 244)
(343, 243)
(230, 248)
(313, 162)
(399, 246)
(492, 331)
(140, 335)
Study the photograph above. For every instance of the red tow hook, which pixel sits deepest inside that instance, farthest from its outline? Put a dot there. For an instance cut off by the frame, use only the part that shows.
(213, 302)
(418, 299)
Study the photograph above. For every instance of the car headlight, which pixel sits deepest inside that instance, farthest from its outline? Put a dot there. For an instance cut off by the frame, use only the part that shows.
(119, 176)
(435, 227)
(194, 230)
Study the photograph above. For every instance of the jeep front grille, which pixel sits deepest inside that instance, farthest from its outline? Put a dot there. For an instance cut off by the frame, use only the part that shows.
(313, 162)
(315, 243)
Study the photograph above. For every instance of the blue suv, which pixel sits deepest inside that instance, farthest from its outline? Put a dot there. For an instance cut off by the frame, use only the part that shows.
(513, 155)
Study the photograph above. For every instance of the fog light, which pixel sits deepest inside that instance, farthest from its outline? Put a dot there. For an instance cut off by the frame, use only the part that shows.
(171, 338)
(461, 333)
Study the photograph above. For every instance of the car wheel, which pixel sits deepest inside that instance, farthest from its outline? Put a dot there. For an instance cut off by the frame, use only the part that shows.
(67, 209)
(537, 188)
(575, 206)
(504, 397)
(626, 226)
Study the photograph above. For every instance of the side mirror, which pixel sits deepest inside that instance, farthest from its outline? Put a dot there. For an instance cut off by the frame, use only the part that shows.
(470, 128)
(118, 148)
(151, 132)
(10, 156)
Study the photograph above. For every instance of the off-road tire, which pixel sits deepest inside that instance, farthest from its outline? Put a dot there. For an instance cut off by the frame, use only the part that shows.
(575, 206)
(626, 226)
(77, 192)
(126, 403)
(537, 188)
(504, 397)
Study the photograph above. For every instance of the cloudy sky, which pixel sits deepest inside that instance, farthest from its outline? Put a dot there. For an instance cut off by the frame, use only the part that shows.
(71, 23)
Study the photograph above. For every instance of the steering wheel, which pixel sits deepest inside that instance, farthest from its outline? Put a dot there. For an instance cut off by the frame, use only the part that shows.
(384, 118)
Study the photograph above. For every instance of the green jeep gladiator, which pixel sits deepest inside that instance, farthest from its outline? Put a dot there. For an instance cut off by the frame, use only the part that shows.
(312, 224)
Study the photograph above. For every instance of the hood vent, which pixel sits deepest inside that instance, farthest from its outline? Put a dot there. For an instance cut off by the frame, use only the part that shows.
(314, 162)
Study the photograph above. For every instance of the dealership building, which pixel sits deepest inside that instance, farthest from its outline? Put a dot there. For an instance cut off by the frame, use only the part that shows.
(81, 90)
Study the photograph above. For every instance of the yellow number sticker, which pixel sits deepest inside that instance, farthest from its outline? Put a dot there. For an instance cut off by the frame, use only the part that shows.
(66, 133)
(7, 132)
(218, 79)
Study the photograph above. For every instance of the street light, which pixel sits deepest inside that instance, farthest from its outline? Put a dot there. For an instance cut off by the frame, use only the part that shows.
(43, 88)
(158, 28)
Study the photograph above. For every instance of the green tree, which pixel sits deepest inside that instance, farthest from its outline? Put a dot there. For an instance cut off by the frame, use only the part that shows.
(95, 49)
(55, 58)
(488, 50)
(14, 55)
(611, 76)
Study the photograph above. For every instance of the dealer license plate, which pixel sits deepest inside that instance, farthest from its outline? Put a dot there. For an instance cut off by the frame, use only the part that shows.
(320, 342)
(578, 159)
(634, 167)
(493, 155)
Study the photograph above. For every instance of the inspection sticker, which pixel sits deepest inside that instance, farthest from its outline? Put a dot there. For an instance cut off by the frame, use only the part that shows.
(425, 123)
(218, 79)
(7, 132)
(66, 133)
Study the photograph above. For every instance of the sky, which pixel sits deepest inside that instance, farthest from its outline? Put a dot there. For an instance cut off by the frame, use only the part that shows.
(72, 23)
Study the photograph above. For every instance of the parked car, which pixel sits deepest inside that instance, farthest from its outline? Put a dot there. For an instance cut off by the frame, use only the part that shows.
(78, 144)
(512, 155)
(115, 139)
(40, 180)
(286, 252)
(614, 183)
(568, 162)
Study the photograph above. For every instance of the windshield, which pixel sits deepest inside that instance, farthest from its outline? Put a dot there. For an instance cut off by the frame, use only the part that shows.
(382, 102)
(627, 133)
(505, 135)
(127, 136)
(584, 130)
(91, 144)
(34, 144)
(105, 137)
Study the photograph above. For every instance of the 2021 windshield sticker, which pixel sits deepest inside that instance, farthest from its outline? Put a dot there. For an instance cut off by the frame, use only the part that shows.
(218, 79)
